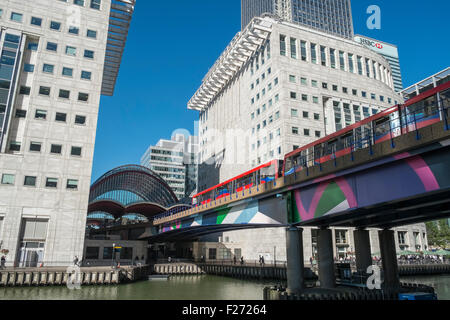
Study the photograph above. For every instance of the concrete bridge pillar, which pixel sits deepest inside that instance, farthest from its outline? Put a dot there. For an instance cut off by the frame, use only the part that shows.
(389, 260)
(295, 264)
(327, 276)
(362, 249)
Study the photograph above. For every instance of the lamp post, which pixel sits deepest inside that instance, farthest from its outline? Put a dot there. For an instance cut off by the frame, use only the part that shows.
(112, 255)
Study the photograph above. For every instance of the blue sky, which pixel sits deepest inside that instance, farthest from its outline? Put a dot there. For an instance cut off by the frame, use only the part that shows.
(172, 45)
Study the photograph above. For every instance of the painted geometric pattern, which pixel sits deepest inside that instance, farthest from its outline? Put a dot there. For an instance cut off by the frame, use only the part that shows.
(405, 175)
(247, 213)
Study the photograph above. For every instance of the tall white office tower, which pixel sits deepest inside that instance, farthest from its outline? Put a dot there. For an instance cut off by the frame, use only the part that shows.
(330, 16)
(57, 59)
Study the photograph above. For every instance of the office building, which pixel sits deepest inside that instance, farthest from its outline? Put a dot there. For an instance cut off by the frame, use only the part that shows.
(176, 162)
(57, 59)
(329, 16)
(390, 53)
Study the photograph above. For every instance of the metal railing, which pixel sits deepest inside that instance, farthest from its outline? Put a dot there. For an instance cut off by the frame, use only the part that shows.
(367, 137)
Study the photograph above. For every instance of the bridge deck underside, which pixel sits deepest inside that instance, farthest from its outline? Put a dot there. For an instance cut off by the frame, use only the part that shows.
(432, 206)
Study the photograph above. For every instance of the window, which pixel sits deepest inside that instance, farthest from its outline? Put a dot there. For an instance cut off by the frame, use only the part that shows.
(28, 67)
(212, 253)
(40, 114)
(71, 51)
(74, 30)
(350, 63)
(305, 114)
(33, 46)
(355, 92)
(25, 90)
(317, 134)
(65, 94)
(304, 81)
(21, 113)
(304, 97)
(76, 151)
(303, 50)
(14, 146)
(315, 99)
(68, 72)
(323, 56)
(316, 116)
(56, 149)
(313, 53)
(306, 132)
(36, 21)
(29, 181)
(61, 117)
(16, 16)
(55, 25)
(51, 46)
(78, 2)
(293, 95)
(72, 184)
(294, 113)
(325, 85)
(294, 130)
(48, 68)
(86, 75)
(35, 146)
(314, 83)
(282, 45)
(293, 48)
(44, 91)
(91, 34)
(341, 60)
(89, 54)
(344, 90)
(92, 253)
(292, 79)
(333, 58)
(8, 179)
(335, 87)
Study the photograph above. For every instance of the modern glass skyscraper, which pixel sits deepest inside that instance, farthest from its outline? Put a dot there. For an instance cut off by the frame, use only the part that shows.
(330, 16)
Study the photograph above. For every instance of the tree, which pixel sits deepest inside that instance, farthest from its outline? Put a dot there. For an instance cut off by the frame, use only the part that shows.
(438, 233)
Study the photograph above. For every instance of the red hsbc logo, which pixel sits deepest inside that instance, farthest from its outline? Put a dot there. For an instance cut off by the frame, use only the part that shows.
(371, 43)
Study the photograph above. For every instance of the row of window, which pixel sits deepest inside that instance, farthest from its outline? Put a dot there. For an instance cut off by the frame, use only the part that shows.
(31, 181)
(334, 87)
(50, 68)
(70, 51)
(306, 132)
(45, 91)
(15, 146)
(59, 116)
(329, 57)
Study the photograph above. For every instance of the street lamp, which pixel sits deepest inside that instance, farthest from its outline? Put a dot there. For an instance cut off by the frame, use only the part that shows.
(112, 255)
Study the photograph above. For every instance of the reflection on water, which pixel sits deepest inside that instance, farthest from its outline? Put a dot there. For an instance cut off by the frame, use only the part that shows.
(202, 287)
(441, 284)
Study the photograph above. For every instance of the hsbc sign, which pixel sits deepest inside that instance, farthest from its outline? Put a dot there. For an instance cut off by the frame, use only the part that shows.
(371, 43)
(378, 46)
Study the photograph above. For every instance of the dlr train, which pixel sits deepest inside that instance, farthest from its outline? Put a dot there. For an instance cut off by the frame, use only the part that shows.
(425, 109)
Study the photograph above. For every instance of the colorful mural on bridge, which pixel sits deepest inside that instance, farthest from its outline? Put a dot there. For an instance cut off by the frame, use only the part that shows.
(401, 176)
(267, 212)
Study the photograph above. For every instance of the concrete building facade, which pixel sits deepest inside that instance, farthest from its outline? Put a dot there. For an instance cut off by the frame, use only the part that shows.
(329, 16)
(58, 58)
(176, 162)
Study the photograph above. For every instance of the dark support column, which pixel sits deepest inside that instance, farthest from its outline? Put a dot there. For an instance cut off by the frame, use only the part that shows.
(362, 249)
(389, 260)
(295, 264)
(327, 276)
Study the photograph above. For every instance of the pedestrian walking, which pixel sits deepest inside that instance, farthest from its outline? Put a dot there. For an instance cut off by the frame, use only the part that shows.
(3, 262)
(242, 260)
(75, 261)
(234, 260)
(262, 260)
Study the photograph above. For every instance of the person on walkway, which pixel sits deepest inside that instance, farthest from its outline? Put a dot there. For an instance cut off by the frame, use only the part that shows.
(75, 261)
(242, 260)
(262, 260)
(234, 260)
(3, 262)
(311, 261)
